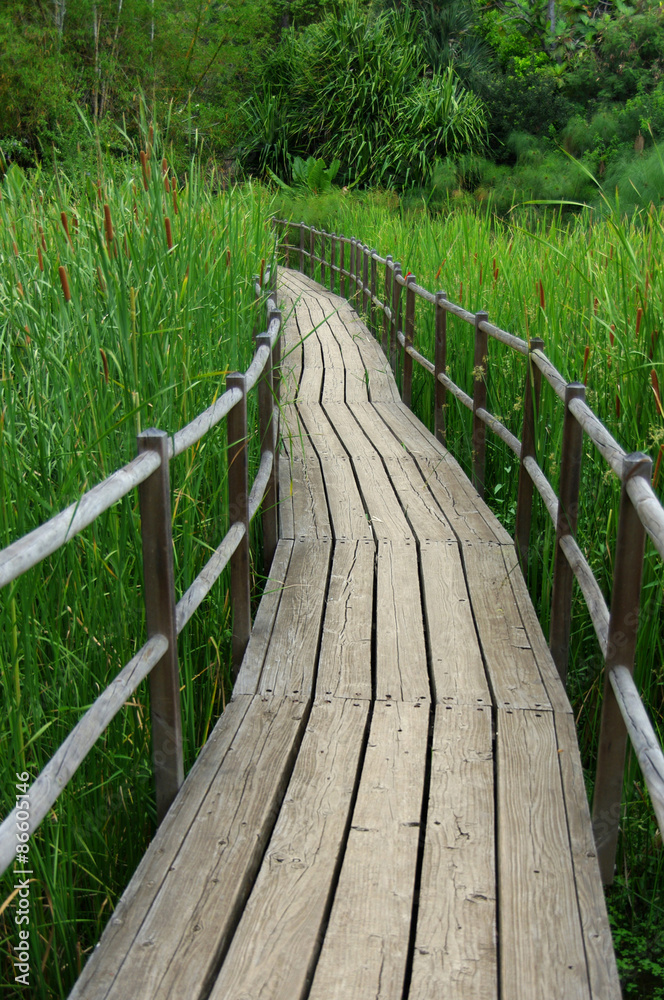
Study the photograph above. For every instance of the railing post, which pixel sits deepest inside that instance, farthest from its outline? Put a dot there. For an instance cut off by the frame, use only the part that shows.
(312, 247)
(440, 364)
(387, 298)
(621, 647)
(394, 326)
(568, 515)
(365, 279)
(524, 502)
(322, 257)
(342, 277)
(238, 490)
(287, 245)
(268, 439)
(352, 286)
(333, 255)
(372, 294)
(409, 337)
(276, 359)
(479, 402)
(302, 247)
(159, 592)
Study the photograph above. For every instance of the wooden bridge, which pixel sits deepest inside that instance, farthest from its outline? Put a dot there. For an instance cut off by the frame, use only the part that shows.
(392, 805)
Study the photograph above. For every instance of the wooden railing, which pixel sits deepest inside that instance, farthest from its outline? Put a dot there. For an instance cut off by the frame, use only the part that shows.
(623, 712)
(165, 618)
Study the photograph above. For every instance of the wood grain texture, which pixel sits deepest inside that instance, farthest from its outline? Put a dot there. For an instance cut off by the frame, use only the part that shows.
(541, 946)
(311, 518)
(102, 967)
(261, 632)
(401, 659)
(347, 513)
(365, 948)
(311, 382)
(286, 522)
(458, 675)
(511, 666)
(278, 937)
(291, 656)
(547, 668)
(379, 498)
(602, 969)
(344, 667)
(455, 943)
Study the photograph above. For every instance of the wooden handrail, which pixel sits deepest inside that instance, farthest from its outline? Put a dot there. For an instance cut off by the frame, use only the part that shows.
(622, 706)
(158, 657)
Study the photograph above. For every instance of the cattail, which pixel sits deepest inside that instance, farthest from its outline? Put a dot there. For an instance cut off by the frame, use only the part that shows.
(105, 363)
(175, 197)
(15, 247)
(65, 226)
(100, 196)
(541, 293)
(144, 169)
(43, 241)
(228, 257)
(655, 475)
(62, 271)
(169, 236)
(40, 258)
(164, 166)
(150, 135)
(108, 224)
(595, 305)
(19, 286)
(100, 276)
(612, 336)
(639, 317)
(439, 270)
(167, 186)
(655, 388)
(480, 275)
(461, 291)
(586, 356)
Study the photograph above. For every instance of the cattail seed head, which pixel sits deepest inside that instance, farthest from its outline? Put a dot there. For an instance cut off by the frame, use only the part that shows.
(43, 241)
(40, 258)
(169, 235)
(175, 197)
(108, 224)
(64, 281)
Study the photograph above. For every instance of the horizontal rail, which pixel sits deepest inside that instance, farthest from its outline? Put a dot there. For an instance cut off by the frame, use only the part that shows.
(194, 596)
(642, 734)
(260, 483)
(543, 486)
(205, 421)
(34, 547)
(648, 509)
(592, 593)
(256, 368)
(550, 373)
(67, 759)
(499, 430)
(605, 443)
(452, 387)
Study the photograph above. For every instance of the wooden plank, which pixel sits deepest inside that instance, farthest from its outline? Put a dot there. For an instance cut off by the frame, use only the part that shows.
(366, 944)
(379, 498)
(286, 523)
(458, 499)
(102, 966)
(342, 323)
(334, 374)
(511, 666)
(252, 663)
(311, 517)
(380, 378)
(601, 959)
(547, 668)
(311, 382)
(279, 935)
(401, 659)
(209, 881)
(347, 513)
(541, 944)
(291, 656)
(423, 513)
(455, 953)
(344, 668)
(458, 675)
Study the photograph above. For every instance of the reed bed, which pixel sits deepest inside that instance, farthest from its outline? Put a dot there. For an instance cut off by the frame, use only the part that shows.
(123, 304)
(592, 287)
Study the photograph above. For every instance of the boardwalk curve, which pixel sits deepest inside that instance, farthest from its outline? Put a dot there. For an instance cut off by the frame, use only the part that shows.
(392, 805)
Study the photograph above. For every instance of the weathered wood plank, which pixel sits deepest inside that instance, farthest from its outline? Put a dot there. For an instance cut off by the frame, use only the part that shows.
(401, 659)
(291, 656)
(279, 935)
(423, 513)
(286, 523)
(511, 666)
(343, 326)
(365, 948)
(334, 374)
(252, 663)
(379, 498)
(602, 970)
(458, 675)
(347, 513)
(311, 382)
(455, 942)
(541, 945)
(102, 966)
(344, 666)
(547, 668)
(311, 517)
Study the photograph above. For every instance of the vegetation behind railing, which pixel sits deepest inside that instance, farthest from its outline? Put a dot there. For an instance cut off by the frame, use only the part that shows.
(355, 267)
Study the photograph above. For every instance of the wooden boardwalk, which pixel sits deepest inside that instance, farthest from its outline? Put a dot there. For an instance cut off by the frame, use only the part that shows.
(392, 805)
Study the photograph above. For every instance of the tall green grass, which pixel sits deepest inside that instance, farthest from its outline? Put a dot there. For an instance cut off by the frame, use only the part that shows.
(144, 335)
(593, 289)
